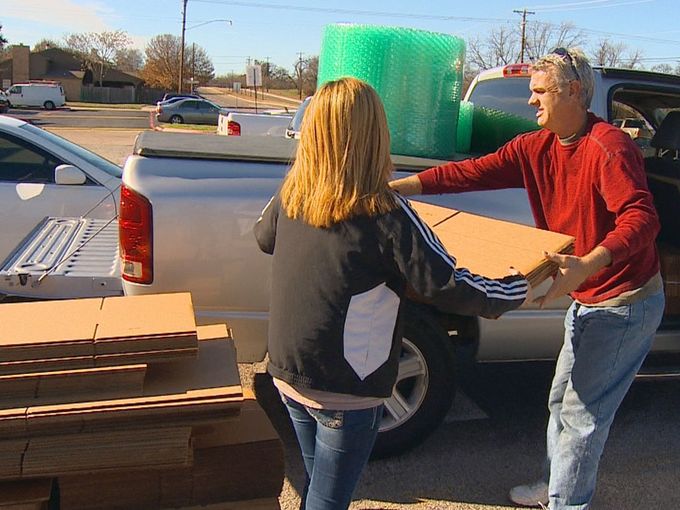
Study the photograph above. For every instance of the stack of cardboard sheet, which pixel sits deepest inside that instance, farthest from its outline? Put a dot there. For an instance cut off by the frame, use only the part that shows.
(84, 333)
(129, 430)
(489, 247)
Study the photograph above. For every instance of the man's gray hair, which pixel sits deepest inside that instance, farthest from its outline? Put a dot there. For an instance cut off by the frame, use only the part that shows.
(566, 65)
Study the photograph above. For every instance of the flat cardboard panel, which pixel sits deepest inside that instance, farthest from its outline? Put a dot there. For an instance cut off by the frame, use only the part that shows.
(45, 365)
(70, 320)
(252, 425)
(149, 357)
(15, 492)
(215, 366)
(489, 247)
(146, 316)
(120, 449)
(433, 215)
(71, 385)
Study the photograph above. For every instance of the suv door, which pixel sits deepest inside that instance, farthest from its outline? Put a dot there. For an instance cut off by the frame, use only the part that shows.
(28, 192)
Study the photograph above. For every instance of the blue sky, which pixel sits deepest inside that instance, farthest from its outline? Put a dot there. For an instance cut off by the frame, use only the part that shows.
(280, 29)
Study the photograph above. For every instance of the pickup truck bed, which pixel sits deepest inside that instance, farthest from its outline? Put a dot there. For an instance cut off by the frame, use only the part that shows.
(276, 150)
(65, 258)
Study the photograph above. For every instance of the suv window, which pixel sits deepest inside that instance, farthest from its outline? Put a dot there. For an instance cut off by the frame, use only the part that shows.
(93, 159)
(21, 162)
(506, 94)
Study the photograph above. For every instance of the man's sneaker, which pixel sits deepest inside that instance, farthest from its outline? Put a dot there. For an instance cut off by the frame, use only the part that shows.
(535, 494)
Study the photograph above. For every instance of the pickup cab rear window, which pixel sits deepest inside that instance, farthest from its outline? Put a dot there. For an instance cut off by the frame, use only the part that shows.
(510, 95)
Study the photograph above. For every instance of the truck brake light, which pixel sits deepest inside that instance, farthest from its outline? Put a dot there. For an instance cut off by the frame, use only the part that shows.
(233, 128)
(135, 237)
(513, 70)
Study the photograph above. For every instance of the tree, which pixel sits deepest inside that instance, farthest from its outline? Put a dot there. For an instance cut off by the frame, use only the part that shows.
(200, 66)
(306, 71)
(503, 44)
(161, 68)
(129, 59)
(97, 49)
(542, 37)
(3, 39)
(609, 54)
(4, 51)
(44, 44)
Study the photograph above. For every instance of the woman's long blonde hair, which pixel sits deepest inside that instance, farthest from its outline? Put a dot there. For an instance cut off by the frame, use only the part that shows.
(343, 163)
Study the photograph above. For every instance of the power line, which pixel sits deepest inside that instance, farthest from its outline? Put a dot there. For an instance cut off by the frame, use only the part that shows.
(329, 10)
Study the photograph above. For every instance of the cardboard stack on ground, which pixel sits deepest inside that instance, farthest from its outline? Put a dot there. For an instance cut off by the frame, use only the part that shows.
(489, 247)
(124, 403)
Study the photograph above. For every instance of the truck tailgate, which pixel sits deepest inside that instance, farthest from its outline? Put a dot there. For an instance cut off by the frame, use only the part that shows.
(65, 258)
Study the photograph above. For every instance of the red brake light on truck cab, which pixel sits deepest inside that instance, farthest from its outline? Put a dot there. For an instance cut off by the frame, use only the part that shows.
(135, 237)
(233, 128)
(516, 70)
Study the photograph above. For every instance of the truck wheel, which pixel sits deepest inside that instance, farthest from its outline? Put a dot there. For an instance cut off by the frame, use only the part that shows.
(176, 119)
(424, 389)
(49, 105)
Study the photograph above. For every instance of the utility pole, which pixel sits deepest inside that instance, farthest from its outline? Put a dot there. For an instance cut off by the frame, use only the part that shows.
(181, 49)
(523, 25)
(266, 80)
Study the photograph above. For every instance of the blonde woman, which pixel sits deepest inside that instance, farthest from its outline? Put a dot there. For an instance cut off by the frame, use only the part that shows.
(345, 247)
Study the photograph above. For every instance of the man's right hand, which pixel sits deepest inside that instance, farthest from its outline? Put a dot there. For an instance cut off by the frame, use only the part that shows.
(407, 186)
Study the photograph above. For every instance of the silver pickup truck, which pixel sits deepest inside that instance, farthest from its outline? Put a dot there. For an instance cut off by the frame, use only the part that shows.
(189, 202)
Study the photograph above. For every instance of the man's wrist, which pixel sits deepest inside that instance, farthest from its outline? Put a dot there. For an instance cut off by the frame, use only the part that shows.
(410, 185)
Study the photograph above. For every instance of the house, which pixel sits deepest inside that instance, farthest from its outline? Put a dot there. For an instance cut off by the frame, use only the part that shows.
(62, 66)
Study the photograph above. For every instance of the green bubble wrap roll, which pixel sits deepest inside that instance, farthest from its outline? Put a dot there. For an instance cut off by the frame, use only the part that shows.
(492, 128)
(417, 74)
(464, 128)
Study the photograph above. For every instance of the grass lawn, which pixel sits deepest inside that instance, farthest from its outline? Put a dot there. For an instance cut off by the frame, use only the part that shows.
(79, 104)
(291, 93)
(193, 127)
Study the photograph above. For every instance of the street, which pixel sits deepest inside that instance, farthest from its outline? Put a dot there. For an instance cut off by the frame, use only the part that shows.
(487, 446)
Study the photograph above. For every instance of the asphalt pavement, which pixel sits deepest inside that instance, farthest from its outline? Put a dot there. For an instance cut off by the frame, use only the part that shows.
(484, 448)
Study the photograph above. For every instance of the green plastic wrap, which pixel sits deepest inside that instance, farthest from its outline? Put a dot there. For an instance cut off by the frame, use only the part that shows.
(492, 128)
(417, 74)
(464, 127)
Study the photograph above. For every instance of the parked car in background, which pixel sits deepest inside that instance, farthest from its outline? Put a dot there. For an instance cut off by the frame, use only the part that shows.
(293, 129)
(48, 95)
(189, 111)
(4, 102)
(171, 95)
(42, 174)
(253, 124)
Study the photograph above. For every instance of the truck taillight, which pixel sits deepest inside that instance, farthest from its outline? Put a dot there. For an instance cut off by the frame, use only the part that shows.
(516, 70)
(135, 237)
(233, 128)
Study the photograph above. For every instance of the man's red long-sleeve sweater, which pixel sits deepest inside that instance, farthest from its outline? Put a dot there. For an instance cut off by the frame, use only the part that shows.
(594, 189)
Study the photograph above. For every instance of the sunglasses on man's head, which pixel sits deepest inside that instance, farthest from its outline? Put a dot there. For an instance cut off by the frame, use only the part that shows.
(564, 54)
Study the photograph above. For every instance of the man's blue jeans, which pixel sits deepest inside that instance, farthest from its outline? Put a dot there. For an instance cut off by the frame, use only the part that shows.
(335, 448)
(603, 350)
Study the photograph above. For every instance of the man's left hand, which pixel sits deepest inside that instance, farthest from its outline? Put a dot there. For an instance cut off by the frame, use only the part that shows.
(572, 272)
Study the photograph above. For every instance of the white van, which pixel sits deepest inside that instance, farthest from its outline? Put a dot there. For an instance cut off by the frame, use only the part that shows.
(48, 95)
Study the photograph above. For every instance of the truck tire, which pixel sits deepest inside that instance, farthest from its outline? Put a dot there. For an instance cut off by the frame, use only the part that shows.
(49, 105)
(176, 119)
(425, 386)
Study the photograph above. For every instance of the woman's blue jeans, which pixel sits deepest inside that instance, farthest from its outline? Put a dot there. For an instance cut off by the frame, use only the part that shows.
(335, 448)
(603, 349)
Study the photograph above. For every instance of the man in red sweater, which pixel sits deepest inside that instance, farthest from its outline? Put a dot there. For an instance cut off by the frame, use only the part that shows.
(585, 178)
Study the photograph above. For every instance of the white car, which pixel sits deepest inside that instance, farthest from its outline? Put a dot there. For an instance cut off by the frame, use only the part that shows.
(42, 174)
